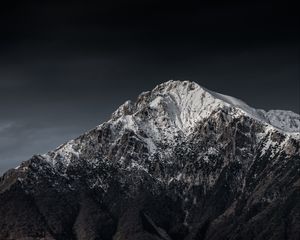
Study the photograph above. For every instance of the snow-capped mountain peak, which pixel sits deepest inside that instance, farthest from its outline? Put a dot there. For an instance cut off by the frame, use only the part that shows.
(173, 111)
(181, 162)
(185, 103)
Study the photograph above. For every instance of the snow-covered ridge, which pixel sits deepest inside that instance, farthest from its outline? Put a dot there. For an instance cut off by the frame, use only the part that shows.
(285, 120)
(171, 111)
(186, 103)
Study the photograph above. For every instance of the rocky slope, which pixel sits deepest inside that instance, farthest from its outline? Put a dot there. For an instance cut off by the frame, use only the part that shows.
(181, 162)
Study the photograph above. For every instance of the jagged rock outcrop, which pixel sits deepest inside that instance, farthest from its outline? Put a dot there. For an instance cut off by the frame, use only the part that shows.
(181, 162)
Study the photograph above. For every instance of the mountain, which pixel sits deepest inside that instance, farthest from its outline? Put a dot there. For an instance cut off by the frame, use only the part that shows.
(181, 162)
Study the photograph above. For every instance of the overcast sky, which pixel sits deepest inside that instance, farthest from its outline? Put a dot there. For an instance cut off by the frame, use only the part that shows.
(64, 68)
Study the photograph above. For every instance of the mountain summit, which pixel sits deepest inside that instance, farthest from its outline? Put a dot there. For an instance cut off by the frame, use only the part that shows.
(181, 162)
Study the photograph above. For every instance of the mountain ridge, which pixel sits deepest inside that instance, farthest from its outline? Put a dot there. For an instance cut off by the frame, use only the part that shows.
(128, 111)
(179, 163)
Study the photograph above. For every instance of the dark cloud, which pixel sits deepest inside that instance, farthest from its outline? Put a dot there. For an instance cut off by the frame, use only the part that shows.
(65, 67)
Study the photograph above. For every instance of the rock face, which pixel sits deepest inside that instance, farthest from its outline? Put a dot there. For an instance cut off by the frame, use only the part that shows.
(181, 162)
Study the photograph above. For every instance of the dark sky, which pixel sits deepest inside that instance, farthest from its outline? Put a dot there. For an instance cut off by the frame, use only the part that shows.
(64, 67)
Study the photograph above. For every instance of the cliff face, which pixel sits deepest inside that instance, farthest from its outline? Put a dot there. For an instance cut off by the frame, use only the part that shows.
(181, 162)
